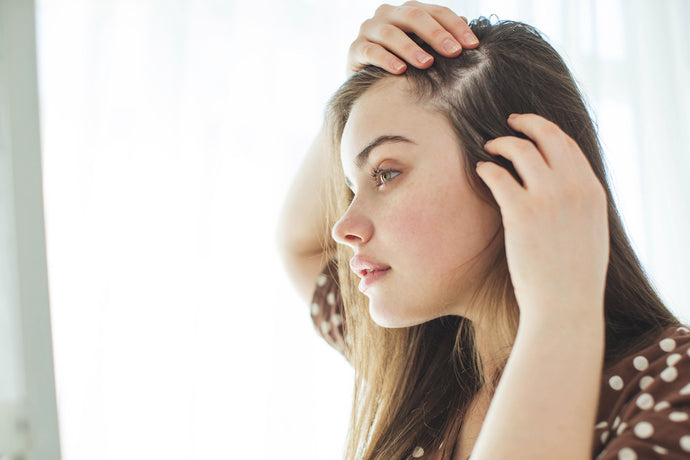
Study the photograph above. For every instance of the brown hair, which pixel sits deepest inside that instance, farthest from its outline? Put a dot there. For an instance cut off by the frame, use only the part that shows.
(412, 383)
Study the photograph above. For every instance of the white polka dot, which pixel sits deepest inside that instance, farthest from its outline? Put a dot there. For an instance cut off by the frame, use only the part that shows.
(314, 309)
(644, 430)
(330, 298)
(678, 416)
(645, 382)
(683, 329)
(661, 406)
(325, 327)
(626, 453)
(669, 374)
(667, 344)
(673, 359)
(601, 425)
(604, 437)
(688, 351)
(616, 383)
(660, 450)
(321, 280)
(418, 452)
(337, 319)
(640, 363)
(616, 422)
(621, 428)
(645, 401)
(685, 443)
(685, 390)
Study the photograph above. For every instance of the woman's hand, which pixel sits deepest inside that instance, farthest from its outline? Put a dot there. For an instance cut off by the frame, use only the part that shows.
(382, 40)
(556, 226)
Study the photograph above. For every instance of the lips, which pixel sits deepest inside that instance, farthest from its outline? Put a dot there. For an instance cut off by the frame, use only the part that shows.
(368, 270)
(363, 266)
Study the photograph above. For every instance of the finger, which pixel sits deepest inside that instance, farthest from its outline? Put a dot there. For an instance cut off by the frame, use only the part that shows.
(363, 53)
(505, 189)
(456, 25)
(552, 142)
(411, 18)
(526, 158)
(392, 38)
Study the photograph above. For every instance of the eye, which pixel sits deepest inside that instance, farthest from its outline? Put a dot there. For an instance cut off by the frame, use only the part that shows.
(383, 176)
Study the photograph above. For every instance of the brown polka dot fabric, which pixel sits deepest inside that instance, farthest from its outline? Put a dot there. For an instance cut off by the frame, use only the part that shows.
(327, 308)
(644, 407)
(644, 404)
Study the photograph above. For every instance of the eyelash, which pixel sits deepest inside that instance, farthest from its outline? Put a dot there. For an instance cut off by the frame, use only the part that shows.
(377, 175)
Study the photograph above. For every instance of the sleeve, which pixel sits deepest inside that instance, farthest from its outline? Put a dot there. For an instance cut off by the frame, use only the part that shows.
(655, 422)
(327, 308)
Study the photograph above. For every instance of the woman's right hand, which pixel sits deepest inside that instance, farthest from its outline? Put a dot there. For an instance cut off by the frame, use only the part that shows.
(383, 42)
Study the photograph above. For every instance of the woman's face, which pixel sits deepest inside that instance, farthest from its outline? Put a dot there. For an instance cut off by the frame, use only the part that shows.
(417, 230)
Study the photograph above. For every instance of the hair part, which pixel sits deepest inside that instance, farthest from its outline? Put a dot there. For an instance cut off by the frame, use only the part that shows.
(413, 384)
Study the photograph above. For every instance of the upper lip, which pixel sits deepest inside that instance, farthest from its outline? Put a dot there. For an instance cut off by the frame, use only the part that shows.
(362, 266)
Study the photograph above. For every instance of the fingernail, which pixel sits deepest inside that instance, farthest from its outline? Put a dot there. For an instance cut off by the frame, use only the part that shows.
(479, 163)
(512, 115)
(423, 58)
(451, 46)
(398, 65)
(470, 39)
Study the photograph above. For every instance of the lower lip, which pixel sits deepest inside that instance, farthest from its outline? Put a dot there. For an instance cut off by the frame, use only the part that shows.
(371, 278)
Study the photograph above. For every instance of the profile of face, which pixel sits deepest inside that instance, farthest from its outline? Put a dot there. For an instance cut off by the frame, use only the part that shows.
(419, 233)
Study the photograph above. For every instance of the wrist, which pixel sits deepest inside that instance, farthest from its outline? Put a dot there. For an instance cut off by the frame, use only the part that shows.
(560, 326)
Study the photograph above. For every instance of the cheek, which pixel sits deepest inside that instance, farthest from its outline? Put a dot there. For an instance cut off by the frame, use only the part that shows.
(423, 224)
(441, 227)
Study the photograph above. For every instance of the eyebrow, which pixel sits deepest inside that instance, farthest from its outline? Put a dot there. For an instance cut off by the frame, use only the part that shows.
(363, 156)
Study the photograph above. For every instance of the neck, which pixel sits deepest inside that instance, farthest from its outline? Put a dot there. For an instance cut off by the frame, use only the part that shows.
(493, 345)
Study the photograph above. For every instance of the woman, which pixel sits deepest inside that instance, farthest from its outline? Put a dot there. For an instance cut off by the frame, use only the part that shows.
(482, 286)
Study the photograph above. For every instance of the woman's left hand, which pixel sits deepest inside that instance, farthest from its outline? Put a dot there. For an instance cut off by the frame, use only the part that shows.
(556, 225)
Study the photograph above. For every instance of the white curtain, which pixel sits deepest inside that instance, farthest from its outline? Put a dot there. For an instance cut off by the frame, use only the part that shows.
(171, 131)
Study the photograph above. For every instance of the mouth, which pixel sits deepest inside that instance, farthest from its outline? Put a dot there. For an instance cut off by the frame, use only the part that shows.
(368, 270)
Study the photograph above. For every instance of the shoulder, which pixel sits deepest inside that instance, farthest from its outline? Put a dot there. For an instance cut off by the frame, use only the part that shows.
(644, 405)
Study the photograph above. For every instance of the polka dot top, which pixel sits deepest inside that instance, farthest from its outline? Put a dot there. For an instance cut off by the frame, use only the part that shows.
(644, 403)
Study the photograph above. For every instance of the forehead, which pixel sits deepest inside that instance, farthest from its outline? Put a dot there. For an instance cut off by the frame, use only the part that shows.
(389, 108)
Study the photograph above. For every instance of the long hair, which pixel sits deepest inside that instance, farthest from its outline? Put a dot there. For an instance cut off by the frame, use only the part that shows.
(413, 384)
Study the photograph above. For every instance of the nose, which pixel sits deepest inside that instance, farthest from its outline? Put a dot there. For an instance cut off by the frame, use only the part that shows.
(354, 228)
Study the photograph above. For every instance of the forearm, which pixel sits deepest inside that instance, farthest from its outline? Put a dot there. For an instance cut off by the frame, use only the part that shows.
(546, 402)
(302, 226)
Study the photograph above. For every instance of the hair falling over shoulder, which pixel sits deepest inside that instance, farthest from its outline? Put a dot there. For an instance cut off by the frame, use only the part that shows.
(412, 383)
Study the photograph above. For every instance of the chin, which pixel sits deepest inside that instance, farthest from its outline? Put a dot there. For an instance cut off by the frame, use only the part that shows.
(392, 316)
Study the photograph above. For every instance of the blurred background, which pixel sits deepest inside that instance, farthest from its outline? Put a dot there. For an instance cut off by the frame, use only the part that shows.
(171, 130)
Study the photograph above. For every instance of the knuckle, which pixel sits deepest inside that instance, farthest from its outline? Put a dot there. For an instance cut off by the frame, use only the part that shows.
(443, 9)
(550, 129)
(369, 51)
(387, 32)
(440, 34)
(412, 13)
(366, 25)
(524, 147)
(460, 23)
(383, 9)
(409, 49)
